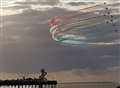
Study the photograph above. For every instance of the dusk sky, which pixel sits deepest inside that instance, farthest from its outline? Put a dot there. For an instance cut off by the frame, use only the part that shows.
(27, 46)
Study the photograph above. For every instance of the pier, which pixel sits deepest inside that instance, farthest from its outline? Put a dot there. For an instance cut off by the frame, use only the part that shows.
(40, 82)
(30, 83)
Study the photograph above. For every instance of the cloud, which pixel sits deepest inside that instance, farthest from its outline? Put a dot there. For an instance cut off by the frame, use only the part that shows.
(15, 6)
(10, 12)
(51, 4)
(87, 75)
(80, 3)
(87, 71)
(41, 2)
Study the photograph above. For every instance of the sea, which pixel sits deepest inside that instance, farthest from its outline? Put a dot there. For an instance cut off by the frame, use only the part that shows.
(89, 85)
(75, 85)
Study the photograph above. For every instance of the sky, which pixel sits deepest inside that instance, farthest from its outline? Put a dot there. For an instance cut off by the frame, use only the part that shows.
(27, 46)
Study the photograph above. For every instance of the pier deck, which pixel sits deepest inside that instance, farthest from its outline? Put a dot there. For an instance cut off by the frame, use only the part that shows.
(35, 83)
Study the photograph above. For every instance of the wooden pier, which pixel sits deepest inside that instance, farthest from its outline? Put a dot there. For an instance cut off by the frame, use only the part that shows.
(31, 83)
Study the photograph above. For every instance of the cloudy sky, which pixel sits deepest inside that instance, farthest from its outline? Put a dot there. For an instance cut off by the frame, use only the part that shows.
(27, 46)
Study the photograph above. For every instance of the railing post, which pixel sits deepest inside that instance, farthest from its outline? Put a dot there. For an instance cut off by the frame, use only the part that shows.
(28, 84)
(40, 85)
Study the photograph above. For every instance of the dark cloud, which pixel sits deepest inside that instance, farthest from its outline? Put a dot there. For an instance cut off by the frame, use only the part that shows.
(115, 4)
(80, 3)
(84, 72)
(42, 2)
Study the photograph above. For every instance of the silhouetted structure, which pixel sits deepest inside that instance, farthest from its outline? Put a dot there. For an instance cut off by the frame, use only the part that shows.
(29, 82)
(43, 74)
(40, 82)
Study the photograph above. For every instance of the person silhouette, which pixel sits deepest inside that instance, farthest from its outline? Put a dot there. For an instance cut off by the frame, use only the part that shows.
(43, 74)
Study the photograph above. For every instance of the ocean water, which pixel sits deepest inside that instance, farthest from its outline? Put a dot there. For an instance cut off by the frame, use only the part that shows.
(74, 85)
(88, 85)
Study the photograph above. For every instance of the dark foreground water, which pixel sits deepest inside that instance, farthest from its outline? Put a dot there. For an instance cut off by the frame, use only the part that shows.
(88, 85)
(76, 85)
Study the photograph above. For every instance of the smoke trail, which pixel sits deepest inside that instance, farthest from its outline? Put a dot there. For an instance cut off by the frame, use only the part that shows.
(67, 28)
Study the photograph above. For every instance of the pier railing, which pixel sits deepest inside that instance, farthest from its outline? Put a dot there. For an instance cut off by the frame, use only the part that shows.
(28, 83)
